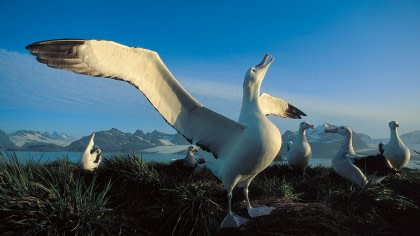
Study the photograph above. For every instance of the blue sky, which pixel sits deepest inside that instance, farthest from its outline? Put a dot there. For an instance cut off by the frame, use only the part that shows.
(354, 63)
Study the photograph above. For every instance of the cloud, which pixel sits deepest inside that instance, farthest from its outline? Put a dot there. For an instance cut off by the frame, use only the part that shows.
(30, 86)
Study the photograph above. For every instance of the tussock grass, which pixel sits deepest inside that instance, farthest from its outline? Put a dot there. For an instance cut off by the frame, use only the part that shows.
(189, 209)
(53, 199)
(129, 196)
(274, 186)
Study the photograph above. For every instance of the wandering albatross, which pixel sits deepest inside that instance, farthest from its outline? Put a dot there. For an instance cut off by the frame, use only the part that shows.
(91, 157)
(354, 167)
(395, 150)
(299, 152)
(242, 149)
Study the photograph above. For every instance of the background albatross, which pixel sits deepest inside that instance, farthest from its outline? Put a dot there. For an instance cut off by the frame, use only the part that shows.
(244, 148)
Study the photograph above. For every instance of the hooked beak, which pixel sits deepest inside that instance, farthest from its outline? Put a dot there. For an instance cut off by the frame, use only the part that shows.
(311, 126)
(264, 64)
(331, 130)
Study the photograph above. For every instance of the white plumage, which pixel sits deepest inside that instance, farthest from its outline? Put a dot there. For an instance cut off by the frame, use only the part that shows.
(300, 151)
(354, 167)
(395, 150)
(91, 157)
(189, 160)
(243, 148)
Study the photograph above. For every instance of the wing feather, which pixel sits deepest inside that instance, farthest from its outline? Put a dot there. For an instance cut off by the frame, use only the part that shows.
(143, 69)
(278, 107)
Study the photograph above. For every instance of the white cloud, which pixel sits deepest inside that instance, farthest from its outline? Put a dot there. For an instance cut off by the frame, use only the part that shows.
(29, 85)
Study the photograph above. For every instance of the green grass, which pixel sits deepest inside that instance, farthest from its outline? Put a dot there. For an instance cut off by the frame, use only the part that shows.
(127, 196)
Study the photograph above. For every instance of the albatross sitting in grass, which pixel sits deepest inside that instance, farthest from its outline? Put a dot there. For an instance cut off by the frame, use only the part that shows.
(354, 167)
(242, 149)
(395, 150)
(91, 157)
(299, 152)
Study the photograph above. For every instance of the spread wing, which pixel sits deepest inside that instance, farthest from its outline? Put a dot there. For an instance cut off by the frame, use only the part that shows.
(278, 107)
(144, 70)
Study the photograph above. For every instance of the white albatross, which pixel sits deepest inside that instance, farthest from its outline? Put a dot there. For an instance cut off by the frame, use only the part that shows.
(91, 157)
(395, 150)
(299, 152)
(354, 167)
(243, 148)
(189, 160)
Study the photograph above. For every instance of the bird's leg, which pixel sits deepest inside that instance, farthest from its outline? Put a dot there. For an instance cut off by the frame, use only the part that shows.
(232, 220)
(257, 211)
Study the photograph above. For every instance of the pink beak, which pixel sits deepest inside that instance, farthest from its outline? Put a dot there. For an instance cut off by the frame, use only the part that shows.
(311, 126)
(331, 130)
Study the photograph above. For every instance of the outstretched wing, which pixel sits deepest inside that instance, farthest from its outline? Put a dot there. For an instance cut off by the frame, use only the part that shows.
(278, 107)
(143, 69)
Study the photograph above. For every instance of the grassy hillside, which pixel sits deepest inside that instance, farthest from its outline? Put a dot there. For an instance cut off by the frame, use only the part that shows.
(130, 197)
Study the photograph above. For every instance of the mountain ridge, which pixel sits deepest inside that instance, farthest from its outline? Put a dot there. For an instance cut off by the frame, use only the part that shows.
(114, 140)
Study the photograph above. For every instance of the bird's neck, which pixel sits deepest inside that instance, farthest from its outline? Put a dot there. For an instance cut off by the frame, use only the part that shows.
(250, 101)
(190, 155)
(394, 135)
(302, 135)
(347, 147)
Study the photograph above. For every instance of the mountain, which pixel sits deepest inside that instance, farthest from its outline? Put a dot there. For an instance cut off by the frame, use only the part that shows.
(288, 136)
(114, 140)
(411, 138)
(36, 141)
(5, 142)
(365, 138)
(325, 144)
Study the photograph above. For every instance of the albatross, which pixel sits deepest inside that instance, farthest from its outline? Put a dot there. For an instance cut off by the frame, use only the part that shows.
(91, 156)
(354, 167)
(395, 150)
(299, 152)
(242, 149)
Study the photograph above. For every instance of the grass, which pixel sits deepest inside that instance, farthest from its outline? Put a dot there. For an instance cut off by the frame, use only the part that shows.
(127, 196)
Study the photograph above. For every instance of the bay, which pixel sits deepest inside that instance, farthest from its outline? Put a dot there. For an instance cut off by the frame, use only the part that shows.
(45, 157)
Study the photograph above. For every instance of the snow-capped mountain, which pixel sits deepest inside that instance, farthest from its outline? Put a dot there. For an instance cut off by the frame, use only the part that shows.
(317, 135)
(114, 140)
(411, 138)
(24, 138)
(56, 136)
(324, 144)
(5, 142)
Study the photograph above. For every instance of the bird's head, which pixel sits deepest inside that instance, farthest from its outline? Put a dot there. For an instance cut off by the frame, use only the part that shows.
(393, 124)
(192, 149)
(343, 130)
(256, 73)
(305, 125)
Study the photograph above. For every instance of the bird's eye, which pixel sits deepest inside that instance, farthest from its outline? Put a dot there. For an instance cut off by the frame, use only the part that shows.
(253, 70)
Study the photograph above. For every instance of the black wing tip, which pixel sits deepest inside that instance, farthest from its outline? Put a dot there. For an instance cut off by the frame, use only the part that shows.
(55, 42)
(294, 112)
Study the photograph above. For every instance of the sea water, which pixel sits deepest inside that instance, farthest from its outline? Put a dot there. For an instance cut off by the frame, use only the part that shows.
(45, 157)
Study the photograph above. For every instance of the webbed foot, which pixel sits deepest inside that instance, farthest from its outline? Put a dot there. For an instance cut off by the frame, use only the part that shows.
(232, 220)
(260, 211)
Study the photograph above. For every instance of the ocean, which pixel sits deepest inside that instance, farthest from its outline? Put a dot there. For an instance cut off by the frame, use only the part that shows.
(44, 157)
